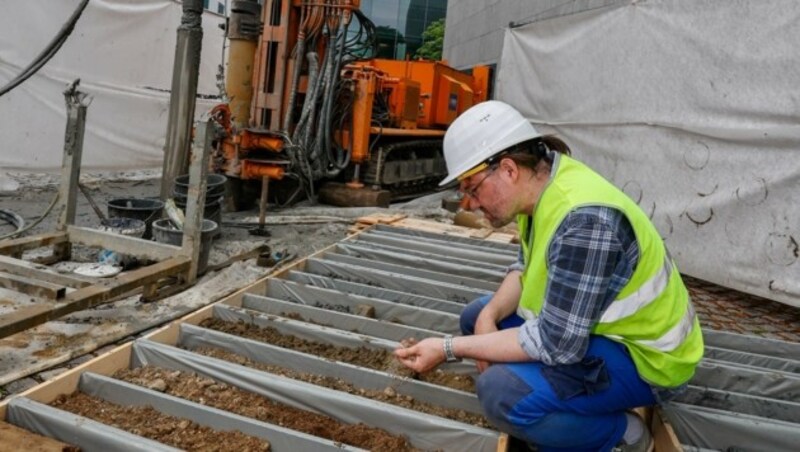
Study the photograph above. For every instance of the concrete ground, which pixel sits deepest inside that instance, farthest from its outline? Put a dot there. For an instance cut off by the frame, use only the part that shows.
(42, 353)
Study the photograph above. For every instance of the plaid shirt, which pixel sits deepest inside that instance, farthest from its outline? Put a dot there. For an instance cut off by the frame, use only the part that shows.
(591, 257)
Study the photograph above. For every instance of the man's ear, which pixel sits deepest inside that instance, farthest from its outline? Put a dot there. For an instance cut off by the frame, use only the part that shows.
(509, 168)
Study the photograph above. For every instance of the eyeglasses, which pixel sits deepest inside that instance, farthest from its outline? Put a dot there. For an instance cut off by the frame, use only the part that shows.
(472, 192)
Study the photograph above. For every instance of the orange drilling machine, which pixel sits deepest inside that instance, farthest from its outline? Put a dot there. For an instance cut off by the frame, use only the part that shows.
(308, 104)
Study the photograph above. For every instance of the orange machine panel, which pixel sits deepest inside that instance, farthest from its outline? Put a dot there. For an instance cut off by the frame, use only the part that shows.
(435, 95)
(405, 104)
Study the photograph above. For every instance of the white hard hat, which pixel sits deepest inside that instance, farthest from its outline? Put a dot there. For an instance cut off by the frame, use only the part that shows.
(484, 130)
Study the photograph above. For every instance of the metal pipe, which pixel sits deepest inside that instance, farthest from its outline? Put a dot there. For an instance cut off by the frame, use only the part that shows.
(186, 68)
(243, 30)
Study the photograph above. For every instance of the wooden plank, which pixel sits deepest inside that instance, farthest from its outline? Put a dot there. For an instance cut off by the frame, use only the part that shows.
(66, 203)
(40, 272)
(16, 246)
(382, 218)
(378, 218)
(32, 287)
(132, 246)
(15, 439)
(433, 226)
(67, 383)
(502, 237)
(454, 230)
(106, 290)
(25, 317)
(89, 296)
(196, 195)
(502, 443)
(664, 436)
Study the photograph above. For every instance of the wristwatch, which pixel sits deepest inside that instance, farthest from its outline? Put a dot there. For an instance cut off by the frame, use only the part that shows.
(449, 356)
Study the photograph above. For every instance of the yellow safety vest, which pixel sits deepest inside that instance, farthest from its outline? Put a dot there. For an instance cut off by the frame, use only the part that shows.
(652, 314)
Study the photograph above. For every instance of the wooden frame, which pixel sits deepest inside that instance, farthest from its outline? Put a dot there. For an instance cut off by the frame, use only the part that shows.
(119, 357)
(173, 263)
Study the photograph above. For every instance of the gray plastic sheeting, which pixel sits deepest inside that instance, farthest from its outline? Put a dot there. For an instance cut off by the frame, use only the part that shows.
(720, 430)
(193, 337)
(742, 403)
(89, 435)
(420, 235)
(375, 292)
(389, 280)
(405, 270)
(463, 252)
(426, 255)
(747, 380)
(753, 359)
(347, 322)
(752, 344)
(386, 310)
(281, 439)
(742, 395)
(424, 431)
(327, 335)
(463, 269)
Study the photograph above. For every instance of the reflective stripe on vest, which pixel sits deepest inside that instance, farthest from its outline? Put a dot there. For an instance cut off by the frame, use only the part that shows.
(673, 338)
(626, 307)
(646, 294)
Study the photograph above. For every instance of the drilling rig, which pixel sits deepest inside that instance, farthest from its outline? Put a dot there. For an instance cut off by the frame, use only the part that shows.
(309, 106)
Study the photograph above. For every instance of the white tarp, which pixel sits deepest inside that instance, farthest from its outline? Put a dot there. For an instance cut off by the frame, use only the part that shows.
(693, 108)
(123, 51)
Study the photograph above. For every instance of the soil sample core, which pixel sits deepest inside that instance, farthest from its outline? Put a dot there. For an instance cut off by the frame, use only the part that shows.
(232, 399)
(382, 360)
(149, 423)
(387, 395)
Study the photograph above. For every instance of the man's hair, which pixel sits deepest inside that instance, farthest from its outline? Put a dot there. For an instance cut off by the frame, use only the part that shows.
(532, 153)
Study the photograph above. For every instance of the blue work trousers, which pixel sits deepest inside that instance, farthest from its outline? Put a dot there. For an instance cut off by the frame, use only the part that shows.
(519, 400)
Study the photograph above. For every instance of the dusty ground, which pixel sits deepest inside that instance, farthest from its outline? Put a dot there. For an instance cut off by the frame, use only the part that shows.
(372, 358)
(149, 423)
(45, 351)
(225, 397)
(388, 395)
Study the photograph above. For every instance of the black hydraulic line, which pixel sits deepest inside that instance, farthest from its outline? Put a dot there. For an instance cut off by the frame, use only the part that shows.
(13, 219)
(49, 51)
(339, 163)
(322, 90)
(37, 221)
(300, 49)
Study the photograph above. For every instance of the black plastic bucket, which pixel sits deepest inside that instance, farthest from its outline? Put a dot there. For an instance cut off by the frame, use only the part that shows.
(215, 185)
(145, 209)
(212, 210)
(165, 232)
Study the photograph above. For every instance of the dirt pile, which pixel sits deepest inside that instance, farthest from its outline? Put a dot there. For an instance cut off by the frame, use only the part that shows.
(382, 360)
(149, 423)
(225, 397)
(387, 395)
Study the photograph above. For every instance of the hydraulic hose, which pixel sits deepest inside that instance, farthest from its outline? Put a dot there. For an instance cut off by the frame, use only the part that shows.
(37, 221)
(300, 50)
(48, 52)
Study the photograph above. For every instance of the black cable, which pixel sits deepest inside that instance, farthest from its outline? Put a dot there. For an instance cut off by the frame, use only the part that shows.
(49, 51)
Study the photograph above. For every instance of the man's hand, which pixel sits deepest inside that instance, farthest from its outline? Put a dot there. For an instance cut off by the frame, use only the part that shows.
(484, 324)
(422, 356)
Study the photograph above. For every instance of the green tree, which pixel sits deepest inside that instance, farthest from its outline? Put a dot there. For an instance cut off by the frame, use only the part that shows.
(432, 41)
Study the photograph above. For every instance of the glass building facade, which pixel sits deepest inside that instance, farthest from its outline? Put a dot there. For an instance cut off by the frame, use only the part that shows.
(400, 23)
